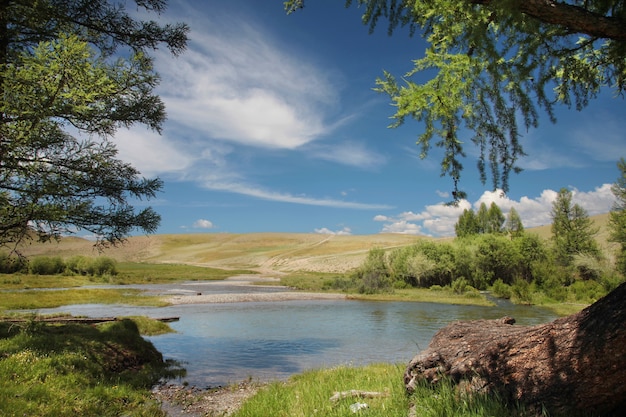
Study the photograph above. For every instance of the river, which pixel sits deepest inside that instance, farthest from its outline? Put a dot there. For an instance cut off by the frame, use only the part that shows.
(228, 342)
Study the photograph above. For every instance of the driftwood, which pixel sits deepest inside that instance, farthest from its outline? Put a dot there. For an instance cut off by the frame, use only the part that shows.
(572, 366)
(358, 394)
(79, 320)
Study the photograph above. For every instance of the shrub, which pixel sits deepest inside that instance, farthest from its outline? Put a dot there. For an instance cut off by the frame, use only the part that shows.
(521, 292)
(44, 265)
(461, 285)
(496, 257)
(501, 290)
(104, 266)
(12, 264)
(373, 274)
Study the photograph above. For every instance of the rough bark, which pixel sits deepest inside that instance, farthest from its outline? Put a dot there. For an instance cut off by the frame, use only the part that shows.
(573, 366)
(576, 19)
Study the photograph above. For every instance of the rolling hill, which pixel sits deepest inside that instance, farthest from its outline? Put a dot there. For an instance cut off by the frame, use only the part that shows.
(262, 251)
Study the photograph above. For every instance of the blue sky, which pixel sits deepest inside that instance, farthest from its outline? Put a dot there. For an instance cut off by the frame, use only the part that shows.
(273, 126)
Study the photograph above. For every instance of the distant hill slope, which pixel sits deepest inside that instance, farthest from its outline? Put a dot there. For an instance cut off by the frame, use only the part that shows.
(261, 251)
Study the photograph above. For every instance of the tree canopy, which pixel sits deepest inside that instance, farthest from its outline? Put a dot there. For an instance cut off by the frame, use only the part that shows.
(496, 65)
(71, 74)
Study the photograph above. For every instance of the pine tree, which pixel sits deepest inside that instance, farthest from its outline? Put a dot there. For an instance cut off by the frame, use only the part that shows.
(617, 219)
(72, 72)
(514, 224)
(572, 230)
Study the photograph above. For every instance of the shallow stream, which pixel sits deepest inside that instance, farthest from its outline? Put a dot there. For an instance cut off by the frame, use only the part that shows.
(223, 343)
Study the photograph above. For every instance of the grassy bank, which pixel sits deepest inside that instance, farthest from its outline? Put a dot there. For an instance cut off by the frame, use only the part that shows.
(341, 283)
(61, 370)
(310, 393)
(128, 273)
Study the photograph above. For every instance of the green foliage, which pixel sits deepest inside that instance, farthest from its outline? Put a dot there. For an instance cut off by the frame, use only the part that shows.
(572, 230)
(81, 265)
(521, 292)
(57, 69)
(617, 220)
(424, 264)
(501, 290)
(60, 370)
(514, 225)
(490, 66)
(44, 265)
(467, 225)
(12, 264)
(487, 220)
(373, 275)
(496, 258)
(523, 269)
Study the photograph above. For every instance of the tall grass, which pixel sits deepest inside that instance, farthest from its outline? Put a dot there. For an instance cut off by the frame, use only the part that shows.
(29, 300)
(309, 394)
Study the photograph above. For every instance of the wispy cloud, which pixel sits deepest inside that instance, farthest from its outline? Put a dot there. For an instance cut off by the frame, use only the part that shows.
(236, 84)
(439, 219)
(342, 232)
(238, 87)
(349, 153)
(250, 190)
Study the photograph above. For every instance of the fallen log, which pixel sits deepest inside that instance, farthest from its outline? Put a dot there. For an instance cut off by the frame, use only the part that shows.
(79, 320)
(358, 394)
(573, 366)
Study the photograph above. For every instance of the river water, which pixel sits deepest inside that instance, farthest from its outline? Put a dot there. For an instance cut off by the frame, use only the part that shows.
(223, 343)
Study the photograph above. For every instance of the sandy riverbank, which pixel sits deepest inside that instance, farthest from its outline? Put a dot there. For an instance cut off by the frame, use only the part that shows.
(251, 297)
(250, 280)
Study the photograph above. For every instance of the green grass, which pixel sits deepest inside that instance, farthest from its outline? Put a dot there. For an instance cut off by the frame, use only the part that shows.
(64, 370)
(309, 394)
(129, 273)
(428, 295)
(324, 282)
(147, 273)
(29, 300)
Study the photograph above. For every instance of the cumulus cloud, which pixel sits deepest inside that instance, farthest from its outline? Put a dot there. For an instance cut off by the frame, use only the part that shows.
(203, 224)
(326, 231)
(439, 219)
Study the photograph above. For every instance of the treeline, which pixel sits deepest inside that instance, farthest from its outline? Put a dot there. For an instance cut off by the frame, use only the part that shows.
(55, 265)
(494, 252)
(510, 268)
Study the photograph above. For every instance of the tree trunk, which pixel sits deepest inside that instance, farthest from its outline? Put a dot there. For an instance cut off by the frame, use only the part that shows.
(572, 366)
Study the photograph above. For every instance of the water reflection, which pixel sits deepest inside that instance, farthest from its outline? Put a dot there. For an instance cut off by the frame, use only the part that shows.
(224, 343)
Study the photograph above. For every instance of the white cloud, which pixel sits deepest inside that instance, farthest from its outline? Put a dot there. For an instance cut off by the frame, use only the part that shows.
(235, 83)
(326, 231)
(151, 153)
(203, 224)
(237, 86)
(253, 191)
(349, 153)
(439, 219)
(402, 227)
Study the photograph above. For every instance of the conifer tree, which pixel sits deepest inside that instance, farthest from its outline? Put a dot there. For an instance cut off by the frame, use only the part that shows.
(572, 230)
(617, 219)
(73, 72)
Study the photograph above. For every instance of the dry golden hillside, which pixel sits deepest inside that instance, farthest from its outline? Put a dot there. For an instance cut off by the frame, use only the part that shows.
(263, 251)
